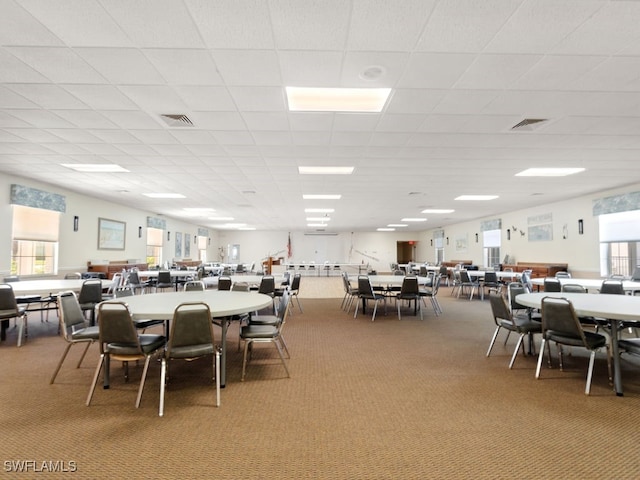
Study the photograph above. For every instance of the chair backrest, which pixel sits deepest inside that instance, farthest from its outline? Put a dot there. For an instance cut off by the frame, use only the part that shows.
(364, 286)
(559, 316)
(490, 277)
(444, 270)
(164, 276)
(500, 308)
(267, 284)
(7, 297)
(423, 271)
(513, 290)
(123, 292)
(116, 281)
(116, 326)
(240, 287)
(71, 316)
(612, 287)
(224, 282)
(191, 333)
(194, 286)
(240, 268)
(464, 276)
(409, 286)
(552, 284)
(91, 291)
(635, 276)
(295, 283)
(573, 288)
(133, 278)
(563, 274)
(525, 280)
(435, 284)
(73, 276)
(283, 307)
(286, 276)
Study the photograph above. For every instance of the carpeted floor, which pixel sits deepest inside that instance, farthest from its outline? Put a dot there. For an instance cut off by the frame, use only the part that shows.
(391, 399)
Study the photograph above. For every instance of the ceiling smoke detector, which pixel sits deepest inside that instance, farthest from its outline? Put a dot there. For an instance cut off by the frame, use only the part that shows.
(176, 120)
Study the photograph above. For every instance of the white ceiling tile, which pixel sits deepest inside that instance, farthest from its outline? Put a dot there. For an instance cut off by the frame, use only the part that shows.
(115, 136)
(248, 67)
(188, 136)
(14, 70)
(122, 66)
(302, 68)
(206, 98)
(381, 25)
(40, 118)
(613, 74)
(272, 138)
(434, 70)
(386, 139)
(311, 121)
(100, 148)
(204, 150)
(266, 121)
(184, 66)
(307, 24)
(74, 135)
(85, 118)
(171, 150)
(134, 149)
(132, 120)
(554, 72)
(19, 27)
(101, 97)
(357, 66)
(218, 120)
(496, 71)
(48, 96)
(155, 137)
(465, 101)
(407, 100)
(350, 138)
(65, 148)
(232, 24)
(8, 121)
(465, 25)
(233, 138)
(79, 22)
(311, 138)
(258, 99)
(59, 65)
(155, 99)
(9, 99)
(155, 23)
(400, 123)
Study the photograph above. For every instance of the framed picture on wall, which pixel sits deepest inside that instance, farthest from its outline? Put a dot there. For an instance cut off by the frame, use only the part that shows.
(111, 234)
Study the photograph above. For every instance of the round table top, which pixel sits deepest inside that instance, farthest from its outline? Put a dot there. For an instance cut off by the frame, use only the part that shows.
(589, 283)
(221, 303)
(45, 287)
(614, 307)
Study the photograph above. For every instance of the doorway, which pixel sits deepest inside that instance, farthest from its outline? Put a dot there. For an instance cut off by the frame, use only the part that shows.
(405, 251)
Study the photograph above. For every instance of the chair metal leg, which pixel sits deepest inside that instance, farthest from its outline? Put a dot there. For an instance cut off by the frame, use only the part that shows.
(284, 362)
(592, 358)
(375, 308)
(163, 371)
(217, 370)
(493, 340)
(64, 355)
(95, 379)
(83, 354)
(515, 350)
(540, 357)
(142, 380)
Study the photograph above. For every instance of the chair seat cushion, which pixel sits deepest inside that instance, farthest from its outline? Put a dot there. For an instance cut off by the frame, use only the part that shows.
(11, 313)
(264, 320)
(594, 340)
(192, 351)
(258, 331)
(88, 333)
(526, 325)
(148, 343)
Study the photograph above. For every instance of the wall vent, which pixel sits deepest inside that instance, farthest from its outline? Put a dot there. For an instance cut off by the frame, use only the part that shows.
(176, 120)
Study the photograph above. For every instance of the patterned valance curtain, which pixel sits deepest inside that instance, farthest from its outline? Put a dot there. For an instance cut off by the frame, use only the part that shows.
(34, 198)
(617, 203)
(495, 224)
(159, 223)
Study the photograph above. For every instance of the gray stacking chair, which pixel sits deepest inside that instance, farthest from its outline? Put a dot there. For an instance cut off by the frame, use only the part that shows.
(432, 294)
(90, 295)
(74, 327)
(409, 291)
(9, 309)
(191, 337)
(194, 286)
(503, 317)
(365, 292)
(119, 340)
(561, 325)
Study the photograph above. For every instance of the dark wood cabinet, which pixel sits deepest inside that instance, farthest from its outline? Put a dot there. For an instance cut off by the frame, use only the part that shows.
(538, 269)
(111, 268)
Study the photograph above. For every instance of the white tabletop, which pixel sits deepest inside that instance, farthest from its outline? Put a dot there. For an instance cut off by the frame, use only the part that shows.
(221, 303)
(45, 287)
(589, 283)
(612, 307)
(173, 273)
(500, 275)
(394, 280)
(250, 279)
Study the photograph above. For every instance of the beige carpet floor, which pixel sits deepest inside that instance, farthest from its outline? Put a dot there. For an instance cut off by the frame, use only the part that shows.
(390, 399)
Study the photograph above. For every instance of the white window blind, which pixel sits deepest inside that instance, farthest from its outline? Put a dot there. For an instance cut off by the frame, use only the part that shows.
(35, 224)
(155, 236)
(620, 227)
(491, 238)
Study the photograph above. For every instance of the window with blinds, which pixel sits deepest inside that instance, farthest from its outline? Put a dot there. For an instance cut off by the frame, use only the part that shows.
(155, 237)
(35, 235)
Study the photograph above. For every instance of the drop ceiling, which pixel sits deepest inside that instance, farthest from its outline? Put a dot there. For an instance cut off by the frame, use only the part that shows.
(88, 81)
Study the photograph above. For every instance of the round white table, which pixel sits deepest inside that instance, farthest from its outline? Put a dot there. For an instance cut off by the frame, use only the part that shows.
(589, 283)
(52, 286)
(615, 308)
(221, 303)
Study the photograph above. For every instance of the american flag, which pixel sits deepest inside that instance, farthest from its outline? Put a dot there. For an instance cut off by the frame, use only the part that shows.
(289, 246)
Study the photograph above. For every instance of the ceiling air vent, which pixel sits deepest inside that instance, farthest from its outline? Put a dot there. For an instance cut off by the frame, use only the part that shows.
(177, 120)
(528, 124)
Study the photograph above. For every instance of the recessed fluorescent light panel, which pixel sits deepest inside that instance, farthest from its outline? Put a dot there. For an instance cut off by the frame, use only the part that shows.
(303, 99)
(438, 210)
(95, 167)
(221, 219)
(476, 198)
(318, 219)
(385, 229)
(413, 220)
(319, 210)
(325, 170)
(549, 172)
(399, 225)
(164, 195)
(321, 197)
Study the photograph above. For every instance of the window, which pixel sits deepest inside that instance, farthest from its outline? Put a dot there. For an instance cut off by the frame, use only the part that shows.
(619, 242)
(491, 250)
(439, 244)
(154, 246)
(34, 249)
(202, 248)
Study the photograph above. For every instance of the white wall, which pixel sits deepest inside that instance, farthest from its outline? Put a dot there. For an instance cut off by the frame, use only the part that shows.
(378, 249)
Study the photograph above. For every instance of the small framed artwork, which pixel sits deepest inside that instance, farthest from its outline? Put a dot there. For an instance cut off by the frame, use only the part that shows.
(111, 234)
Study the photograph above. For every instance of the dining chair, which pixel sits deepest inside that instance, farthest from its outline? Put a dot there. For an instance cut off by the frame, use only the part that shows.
(365, 293)
(224, 282)
(191, 337)
(140, 323)
(552, 284)
(9, 309)
(612, 287)
(350, 293)
(472, 284)
(194, 286)
(120, 341)
(490, 284)
(521, 324)
(431, 292)
(90, 295)
(409, 291)
(164, 281)
(294, 290)
(74, 328)
(284, 309)
(561, 325)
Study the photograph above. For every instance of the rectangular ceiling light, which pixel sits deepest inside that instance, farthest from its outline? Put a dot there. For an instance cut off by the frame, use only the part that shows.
(303, 99)
(399, 225)
(95, 167)
(385, 229)
(221, 219)
(319, 210)
(318, 219)
(476, 198)
(438, 210)
(321, 197)
(413, 220)
(325, 170)
(164, 195)
(549, 172)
